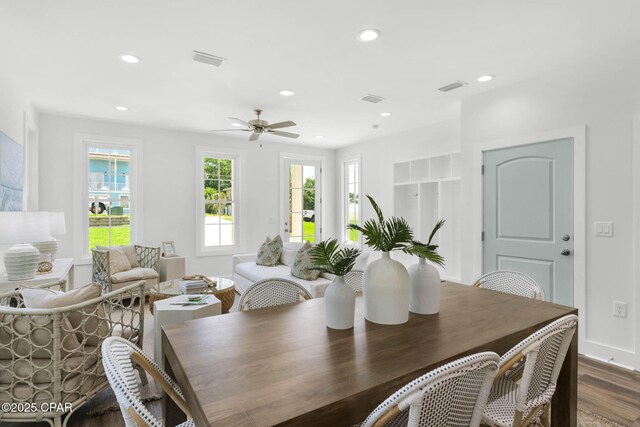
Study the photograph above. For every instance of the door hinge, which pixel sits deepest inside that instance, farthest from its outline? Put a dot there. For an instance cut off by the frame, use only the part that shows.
(320, 230)
(320, 170)
(482, 237)
(482, 170)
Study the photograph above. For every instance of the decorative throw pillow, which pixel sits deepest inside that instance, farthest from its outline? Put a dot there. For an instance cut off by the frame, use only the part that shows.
(269, 252)
(129, 251)
(86, 326)
(303, 266)
(118, 261)
(289, 251)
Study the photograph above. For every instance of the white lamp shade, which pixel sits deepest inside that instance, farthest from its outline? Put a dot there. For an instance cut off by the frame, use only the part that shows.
(23, 227)
(56, 222)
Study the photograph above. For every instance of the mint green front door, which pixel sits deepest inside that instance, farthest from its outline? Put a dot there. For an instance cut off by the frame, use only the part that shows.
(528, 214)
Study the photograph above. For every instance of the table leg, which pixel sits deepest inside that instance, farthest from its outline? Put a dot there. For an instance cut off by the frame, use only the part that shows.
(564, 405)
(171, 413)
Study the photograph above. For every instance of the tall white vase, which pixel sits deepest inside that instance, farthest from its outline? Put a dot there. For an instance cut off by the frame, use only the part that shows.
(340, 304)
(425, 286)
(386, 291)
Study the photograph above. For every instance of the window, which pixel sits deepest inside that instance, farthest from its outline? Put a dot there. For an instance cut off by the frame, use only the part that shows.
(106, 192)
(218, 193)
(351, 201)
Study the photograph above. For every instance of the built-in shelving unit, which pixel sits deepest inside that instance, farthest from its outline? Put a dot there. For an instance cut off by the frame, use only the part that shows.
(426, 190)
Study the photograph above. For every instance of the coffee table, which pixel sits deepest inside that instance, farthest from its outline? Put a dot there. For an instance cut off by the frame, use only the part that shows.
(223, 289)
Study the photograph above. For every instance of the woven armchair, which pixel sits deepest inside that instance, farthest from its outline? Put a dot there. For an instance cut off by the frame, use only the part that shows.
(119, 357)
(452, 395)
(270, 292)
(523, 388)
(149, 269)
(511, 282)
(53, 355)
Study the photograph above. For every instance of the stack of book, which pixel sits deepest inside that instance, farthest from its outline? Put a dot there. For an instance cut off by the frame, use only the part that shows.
(189, 286)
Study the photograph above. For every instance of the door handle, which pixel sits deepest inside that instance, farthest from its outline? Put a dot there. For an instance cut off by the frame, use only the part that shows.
(565, 252)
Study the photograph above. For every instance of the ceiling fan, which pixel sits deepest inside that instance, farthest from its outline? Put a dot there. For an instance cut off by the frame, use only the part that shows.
(258, 127)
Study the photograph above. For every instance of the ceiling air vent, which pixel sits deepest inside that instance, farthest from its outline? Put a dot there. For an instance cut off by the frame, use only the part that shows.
(206, 58)
(373, 98)
(452, 86)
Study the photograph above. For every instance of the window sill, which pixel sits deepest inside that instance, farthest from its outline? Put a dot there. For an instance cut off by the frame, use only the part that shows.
(232, 250)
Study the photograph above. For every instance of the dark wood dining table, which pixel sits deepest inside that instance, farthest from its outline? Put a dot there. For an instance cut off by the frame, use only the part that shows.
(282, 366)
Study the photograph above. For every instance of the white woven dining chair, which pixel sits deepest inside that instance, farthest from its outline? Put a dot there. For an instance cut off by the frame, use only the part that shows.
(452, 395)
(118, 358)
(515, 401)
(270, 292)
(354, 279)
(511, 282)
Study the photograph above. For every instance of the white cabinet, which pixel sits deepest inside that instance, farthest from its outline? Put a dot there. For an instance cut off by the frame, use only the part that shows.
(425, 191)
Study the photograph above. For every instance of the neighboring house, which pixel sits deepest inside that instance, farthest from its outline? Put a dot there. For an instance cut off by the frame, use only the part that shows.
(109, 178)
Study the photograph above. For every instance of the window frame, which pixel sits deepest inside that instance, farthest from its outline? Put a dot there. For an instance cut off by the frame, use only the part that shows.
(344, 203)
(81, 188)
(237, 156)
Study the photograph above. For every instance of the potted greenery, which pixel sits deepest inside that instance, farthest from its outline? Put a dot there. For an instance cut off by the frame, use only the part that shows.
(340, 299)
(386, 281)
(424, 279)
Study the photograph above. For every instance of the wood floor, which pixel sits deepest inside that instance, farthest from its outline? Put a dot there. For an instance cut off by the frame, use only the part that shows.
(603, 389)
(609, 391)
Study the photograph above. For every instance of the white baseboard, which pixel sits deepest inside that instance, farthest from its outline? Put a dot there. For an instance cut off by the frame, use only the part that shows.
(615, 356)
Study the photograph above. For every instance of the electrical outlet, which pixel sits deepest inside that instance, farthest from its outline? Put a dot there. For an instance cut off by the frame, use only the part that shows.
(603, 229)
(620, 309)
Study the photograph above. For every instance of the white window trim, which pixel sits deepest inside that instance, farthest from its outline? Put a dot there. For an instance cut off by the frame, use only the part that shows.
(80, 188)
(343, 197)
(238, 172)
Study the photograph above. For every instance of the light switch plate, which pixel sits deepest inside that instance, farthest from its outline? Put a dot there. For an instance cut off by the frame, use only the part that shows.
(620, 309)
(603, 229)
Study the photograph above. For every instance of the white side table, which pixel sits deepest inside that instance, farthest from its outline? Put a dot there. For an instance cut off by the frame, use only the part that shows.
(62, 269)
(172, 268)
(164, 313)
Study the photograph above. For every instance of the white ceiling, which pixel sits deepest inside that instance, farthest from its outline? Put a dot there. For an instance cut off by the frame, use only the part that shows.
(65, 53)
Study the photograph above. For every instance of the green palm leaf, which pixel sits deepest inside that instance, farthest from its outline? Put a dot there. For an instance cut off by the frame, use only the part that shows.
(329, 258)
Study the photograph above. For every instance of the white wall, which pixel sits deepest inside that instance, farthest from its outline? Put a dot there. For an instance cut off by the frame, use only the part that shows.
(17, 115)
(169, 185)
(379, 155)
(607, 110)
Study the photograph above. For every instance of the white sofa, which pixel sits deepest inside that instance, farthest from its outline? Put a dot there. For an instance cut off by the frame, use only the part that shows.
(246, 272)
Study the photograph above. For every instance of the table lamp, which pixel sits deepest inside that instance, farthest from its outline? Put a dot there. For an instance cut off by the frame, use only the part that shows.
(50, 245)
(21, 260)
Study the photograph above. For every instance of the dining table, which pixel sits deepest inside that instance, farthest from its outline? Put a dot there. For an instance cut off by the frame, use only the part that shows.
(282, 366)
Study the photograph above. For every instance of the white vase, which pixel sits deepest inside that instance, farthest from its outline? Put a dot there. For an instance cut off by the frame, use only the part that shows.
(340, 304)
(425, 286)
(21, 262)
(386, 291)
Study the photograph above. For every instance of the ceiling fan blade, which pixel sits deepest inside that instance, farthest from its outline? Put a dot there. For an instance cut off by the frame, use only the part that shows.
(230, 130)
(242, 122)
(282, 124)
(254, 136)
(285, 134)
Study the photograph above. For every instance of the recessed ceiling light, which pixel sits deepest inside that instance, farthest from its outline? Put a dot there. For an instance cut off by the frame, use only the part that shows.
(121, 108)
(287, 92)
(236, 124)
(368, 35)
(319, 136)
(486, 78)
(130, 59)
(385, 114)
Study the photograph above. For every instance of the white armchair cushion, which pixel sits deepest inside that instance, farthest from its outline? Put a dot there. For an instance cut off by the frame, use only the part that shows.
(137, 273)
(129, 251)
(86, 326)
(118, 261)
